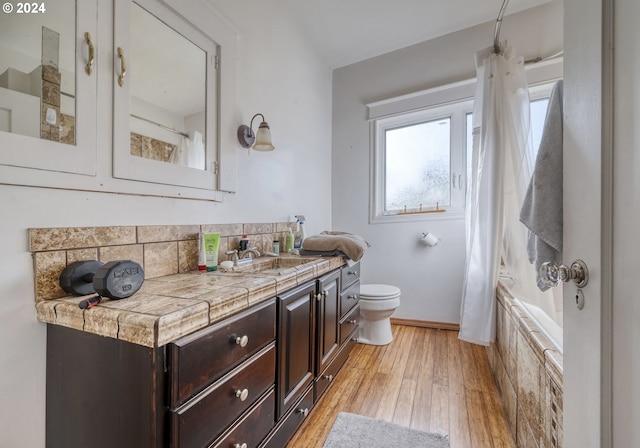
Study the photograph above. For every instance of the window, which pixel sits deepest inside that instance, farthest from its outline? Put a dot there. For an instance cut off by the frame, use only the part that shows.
(421, 159)
(419, 164)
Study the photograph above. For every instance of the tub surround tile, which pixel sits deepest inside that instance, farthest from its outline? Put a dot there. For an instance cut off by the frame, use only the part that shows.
(525, 437)
(79, 237)
(532, 393)
(554, 367)
(508, 394)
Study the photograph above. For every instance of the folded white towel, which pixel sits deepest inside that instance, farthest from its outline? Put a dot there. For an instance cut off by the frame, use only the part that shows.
(541, 209)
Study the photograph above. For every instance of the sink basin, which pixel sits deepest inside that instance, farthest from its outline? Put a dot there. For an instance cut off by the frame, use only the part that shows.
(272, 265)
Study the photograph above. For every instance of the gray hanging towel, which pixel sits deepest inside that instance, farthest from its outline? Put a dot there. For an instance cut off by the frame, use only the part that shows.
(541, 210)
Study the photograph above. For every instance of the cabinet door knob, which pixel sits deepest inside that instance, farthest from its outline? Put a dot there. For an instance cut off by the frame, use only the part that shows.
(242, 341)
(304, 411)
(328, 377)
(242, 394)
(238, 445)
(353, 322)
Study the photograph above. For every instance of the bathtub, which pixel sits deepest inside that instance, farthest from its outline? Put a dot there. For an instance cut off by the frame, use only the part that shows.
(546, 325)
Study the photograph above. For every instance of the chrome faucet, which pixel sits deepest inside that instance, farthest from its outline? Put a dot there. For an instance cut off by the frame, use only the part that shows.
(237, 255)
(248, 252)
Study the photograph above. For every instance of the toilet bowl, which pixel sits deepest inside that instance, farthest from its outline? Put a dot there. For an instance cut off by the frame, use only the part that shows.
(377, 304)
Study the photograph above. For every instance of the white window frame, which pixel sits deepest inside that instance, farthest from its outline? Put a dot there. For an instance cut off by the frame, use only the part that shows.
(456, 112)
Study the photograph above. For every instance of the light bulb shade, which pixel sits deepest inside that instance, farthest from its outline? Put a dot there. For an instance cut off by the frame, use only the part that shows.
(263, 138)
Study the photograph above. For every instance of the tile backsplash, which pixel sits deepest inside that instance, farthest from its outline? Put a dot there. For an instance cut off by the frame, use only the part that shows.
(161, 250)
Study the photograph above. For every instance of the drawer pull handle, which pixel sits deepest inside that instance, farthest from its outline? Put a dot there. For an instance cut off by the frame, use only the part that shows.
(304, 411)
(352, 273)
(237, 445)
(242, 341)
(353, 296)
(353, 322)
(328, 377)
(242, 394)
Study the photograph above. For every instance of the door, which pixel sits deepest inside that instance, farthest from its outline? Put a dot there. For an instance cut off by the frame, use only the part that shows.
(587, 231)
(328, 315)
(296, 344)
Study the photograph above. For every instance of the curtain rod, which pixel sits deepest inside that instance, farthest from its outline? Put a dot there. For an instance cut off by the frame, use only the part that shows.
(496, 34)
(161, 125)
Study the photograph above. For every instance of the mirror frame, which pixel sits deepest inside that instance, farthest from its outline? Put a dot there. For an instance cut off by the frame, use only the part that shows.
(131, 167)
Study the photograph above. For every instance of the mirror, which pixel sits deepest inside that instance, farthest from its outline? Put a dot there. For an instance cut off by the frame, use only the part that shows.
(168, 93)
(37, 72)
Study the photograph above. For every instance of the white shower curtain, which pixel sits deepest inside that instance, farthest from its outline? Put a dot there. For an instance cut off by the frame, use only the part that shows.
(190, 151)
(501, 169)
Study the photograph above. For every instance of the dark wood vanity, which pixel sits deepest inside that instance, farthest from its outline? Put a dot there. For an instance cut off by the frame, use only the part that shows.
(248, 380)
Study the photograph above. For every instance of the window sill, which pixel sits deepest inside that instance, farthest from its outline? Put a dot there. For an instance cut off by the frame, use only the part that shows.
(417, 217)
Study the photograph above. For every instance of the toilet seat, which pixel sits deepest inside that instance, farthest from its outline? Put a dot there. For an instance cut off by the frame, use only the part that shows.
(378, 292)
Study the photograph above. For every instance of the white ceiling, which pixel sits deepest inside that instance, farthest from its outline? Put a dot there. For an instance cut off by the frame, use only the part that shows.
(348, 31)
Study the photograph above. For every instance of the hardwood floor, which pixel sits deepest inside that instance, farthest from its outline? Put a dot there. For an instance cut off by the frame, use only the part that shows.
(425, 379)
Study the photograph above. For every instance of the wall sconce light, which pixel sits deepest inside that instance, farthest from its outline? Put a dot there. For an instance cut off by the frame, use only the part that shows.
(261, 141)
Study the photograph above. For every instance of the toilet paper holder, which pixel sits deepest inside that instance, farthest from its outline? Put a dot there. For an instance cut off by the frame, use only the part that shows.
(429, 239)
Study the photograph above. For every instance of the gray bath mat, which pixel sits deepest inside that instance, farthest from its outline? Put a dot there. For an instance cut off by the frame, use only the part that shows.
(352, 431)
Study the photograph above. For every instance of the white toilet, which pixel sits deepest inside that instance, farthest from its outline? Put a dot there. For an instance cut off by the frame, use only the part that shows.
(377, 304)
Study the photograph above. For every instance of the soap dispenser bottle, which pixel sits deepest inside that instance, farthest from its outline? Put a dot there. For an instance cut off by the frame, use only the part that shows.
(289, 241)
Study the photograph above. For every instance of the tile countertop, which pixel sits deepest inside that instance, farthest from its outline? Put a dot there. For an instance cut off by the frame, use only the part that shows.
(166, 308)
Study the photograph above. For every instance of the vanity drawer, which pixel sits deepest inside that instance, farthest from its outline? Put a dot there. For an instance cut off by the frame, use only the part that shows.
(206, 416)
(289, 424)
(349, 323)
(349, 274)
(202, 357)
(349, 298)
(324, 380)
(253, 427)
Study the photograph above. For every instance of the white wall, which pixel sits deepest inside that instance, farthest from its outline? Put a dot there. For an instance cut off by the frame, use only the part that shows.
(280, 77)
(430, 278)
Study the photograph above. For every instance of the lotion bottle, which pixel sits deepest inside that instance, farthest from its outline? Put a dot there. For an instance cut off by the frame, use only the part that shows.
(289, 242)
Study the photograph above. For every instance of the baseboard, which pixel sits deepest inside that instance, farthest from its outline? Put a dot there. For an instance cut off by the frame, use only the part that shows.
(426, 324)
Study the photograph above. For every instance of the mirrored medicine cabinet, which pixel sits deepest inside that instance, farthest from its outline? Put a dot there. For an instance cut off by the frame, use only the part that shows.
(44, 95)
(165, 76)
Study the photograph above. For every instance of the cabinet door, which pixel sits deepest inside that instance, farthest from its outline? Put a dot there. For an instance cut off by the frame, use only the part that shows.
(328, 307)
(165, 91)
(296, 337)
(47, 92)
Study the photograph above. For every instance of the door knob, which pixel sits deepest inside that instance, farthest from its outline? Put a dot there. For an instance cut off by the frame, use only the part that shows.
(553, 275)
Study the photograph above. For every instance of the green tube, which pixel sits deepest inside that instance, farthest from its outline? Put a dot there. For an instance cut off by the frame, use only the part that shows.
(211, 243)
